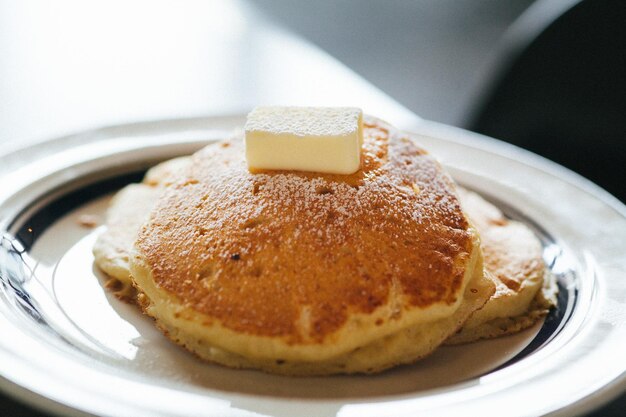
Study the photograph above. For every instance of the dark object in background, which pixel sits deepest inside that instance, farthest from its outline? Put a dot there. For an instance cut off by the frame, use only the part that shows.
(561, 90)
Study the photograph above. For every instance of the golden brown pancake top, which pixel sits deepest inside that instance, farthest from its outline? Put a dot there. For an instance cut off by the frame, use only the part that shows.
(294, 254)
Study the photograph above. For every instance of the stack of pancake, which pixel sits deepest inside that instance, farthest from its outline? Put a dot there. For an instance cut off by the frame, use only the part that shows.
(303, 273)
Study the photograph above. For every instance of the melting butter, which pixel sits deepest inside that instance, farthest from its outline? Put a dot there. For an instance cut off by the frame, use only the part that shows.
(318, 139)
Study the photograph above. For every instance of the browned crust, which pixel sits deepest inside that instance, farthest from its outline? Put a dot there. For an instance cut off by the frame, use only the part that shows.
(124, 291)
(477, 293)
(230, 243)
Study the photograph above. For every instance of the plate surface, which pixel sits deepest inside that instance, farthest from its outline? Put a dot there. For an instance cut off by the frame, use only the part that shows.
(70, 347)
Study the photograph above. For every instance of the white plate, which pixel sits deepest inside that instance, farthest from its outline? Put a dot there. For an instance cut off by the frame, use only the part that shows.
(70, 347)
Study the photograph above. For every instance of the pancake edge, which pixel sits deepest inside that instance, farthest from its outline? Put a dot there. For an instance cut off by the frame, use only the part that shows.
(217, 344)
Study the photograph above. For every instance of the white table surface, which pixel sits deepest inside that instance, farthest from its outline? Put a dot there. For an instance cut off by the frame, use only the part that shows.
(71, 65)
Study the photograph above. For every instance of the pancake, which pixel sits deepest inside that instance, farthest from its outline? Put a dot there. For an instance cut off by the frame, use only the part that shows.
(125, 216)
(512, 254)
(127, 211)
(306, 273)
(525, 290)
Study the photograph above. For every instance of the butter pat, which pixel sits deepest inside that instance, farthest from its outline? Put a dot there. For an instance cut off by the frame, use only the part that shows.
(319, 139)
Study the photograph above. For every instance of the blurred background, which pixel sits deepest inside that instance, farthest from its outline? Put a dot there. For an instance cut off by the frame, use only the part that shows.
(546, 75)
